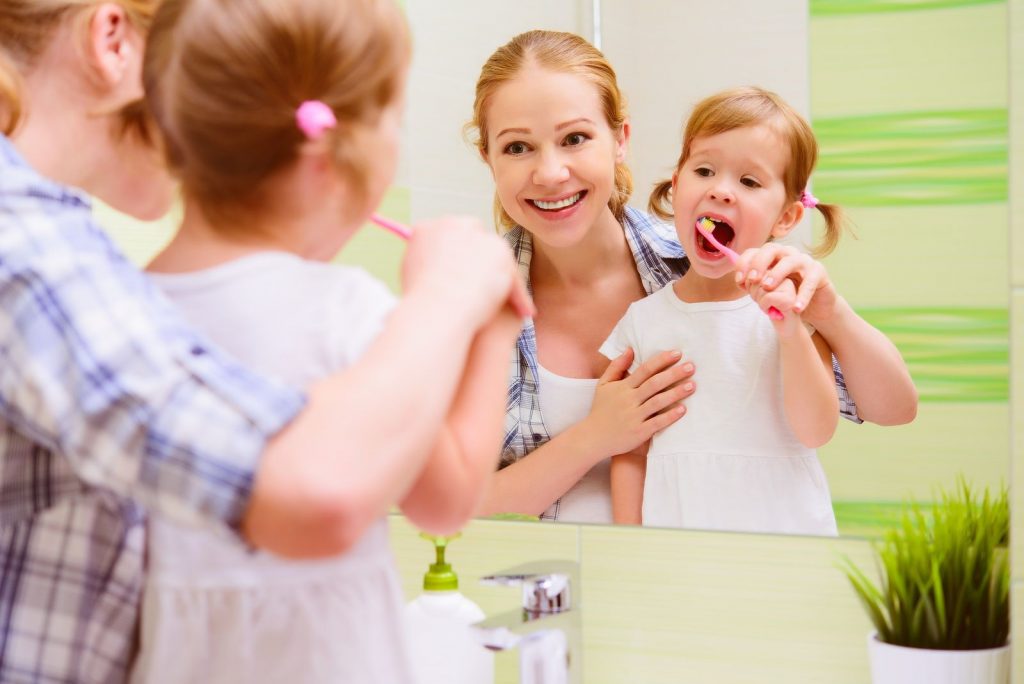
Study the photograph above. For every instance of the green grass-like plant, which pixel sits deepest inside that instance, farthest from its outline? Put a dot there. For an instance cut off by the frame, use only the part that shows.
(945, 574)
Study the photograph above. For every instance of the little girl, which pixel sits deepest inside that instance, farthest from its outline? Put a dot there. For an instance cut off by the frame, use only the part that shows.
(744, 457)
(281, 119)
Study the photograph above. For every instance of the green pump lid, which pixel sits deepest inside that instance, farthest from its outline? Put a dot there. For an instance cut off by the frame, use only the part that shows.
(440, 576)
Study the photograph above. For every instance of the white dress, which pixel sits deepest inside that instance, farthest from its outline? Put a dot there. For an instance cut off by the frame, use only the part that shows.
(732, 462)
(216, 611)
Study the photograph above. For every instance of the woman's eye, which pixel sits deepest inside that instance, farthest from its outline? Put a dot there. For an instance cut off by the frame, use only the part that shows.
(515, 148)
(703, 171)
(574, 139)
(750, 182)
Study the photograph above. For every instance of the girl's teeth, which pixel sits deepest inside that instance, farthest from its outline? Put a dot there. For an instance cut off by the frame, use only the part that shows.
(560, 204)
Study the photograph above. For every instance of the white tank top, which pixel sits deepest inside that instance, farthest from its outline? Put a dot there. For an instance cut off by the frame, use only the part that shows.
(565, 402)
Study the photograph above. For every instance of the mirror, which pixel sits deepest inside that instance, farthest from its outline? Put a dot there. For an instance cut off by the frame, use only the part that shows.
(909, 102)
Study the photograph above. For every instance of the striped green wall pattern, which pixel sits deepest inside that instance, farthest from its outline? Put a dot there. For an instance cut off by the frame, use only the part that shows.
(901, 159)
(954, 354)
(825, 8)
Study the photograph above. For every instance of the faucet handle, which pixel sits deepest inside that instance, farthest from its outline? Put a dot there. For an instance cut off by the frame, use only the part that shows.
(547, 585)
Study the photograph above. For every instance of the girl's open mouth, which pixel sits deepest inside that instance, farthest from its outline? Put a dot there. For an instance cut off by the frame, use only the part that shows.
(722, 231)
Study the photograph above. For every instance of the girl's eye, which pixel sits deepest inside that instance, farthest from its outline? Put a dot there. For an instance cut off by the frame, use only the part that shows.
(574, 139)
(750, 182)
(703, 171)
(515, 148)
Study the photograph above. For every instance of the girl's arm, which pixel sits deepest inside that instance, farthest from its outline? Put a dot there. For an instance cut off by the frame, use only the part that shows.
(808, 383)
(448, 489)
(624, 415)
(808, 386)
(875, 373)
(367, 431)
(627, 474)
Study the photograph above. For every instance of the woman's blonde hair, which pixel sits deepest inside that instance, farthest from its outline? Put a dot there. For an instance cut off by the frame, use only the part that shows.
(562, 52)
(224, 79)
(26, 29)
(751, 106)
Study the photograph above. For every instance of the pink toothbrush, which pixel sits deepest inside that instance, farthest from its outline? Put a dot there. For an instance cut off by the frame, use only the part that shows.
(706, 228)
(522, 304)
(404, 232)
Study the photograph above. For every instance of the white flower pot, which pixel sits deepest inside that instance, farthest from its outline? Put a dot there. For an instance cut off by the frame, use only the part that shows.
(902, 665)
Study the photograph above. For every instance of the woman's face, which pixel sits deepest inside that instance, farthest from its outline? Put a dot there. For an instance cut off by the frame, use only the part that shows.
(552, 153)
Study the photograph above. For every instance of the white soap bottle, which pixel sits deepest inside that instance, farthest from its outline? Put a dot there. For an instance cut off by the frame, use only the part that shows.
(444, 648)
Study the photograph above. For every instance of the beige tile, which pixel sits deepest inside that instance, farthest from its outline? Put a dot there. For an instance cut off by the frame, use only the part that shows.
(670, 606)
(1017, 434)
(1017, 627)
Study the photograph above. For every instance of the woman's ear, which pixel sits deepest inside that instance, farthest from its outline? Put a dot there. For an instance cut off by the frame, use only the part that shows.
(788, 219)
(622, 143)
(115, 50)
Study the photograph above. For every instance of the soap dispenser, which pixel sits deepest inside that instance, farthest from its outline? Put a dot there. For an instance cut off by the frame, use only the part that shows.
(443, 646)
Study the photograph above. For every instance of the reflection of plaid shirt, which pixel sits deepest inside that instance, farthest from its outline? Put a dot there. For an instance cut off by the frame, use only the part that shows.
(659, 260)
(107, 403)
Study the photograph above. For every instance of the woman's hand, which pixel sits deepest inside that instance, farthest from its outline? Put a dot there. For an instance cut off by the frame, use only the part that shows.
(629, 409)
(768, 266)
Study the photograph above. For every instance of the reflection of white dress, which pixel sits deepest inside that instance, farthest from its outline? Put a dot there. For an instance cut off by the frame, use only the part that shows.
(216, 611)
(732, 462)
(567, 401)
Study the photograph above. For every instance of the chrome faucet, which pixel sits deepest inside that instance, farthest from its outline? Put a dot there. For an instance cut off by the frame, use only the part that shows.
(547, 629)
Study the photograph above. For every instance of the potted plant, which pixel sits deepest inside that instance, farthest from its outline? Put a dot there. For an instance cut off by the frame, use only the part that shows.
(941, 610)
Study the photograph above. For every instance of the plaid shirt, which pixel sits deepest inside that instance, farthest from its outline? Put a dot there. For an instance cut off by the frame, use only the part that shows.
(659, 260)
(108, 403)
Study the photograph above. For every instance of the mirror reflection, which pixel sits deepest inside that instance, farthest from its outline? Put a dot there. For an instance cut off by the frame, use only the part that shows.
(909, 109)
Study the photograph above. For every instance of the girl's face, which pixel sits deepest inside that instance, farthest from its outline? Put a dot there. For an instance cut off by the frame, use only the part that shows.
(736, 179)
(552, 153)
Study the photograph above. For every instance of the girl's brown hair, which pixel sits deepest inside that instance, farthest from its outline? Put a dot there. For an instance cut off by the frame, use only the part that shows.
(26, 29)
(751, 106)
(557, 51)
(224, 79)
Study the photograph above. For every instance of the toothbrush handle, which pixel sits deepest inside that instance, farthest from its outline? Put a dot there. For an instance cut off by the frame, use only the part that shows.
(773, 313)
(402, 231)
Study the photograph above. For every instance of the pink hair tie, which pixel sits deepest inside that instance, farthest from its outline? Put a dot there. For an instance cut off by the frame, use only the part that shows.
(808, 200)
(313, 117)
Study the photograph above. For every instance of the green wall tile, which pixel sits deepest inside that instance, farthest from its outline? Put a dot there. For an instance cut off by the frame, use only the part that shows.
(936, 60)
(890, 464)
(824, 8)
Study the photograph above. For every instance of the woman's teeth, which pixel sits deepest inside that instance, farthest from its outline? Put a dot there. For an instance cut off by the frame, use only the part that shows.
(560, 204)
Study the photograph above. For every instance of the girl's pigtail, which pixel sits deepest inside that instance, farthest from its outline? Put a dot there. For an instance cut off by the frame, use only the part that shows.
(10, 94)
(835, 220)
(660, 203)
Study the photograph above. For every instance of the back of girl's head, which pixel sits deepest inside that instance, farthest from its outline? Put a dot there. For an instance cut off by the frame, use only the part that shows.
(752, 106)
(26, 29)
(224, 79)
(560, 52)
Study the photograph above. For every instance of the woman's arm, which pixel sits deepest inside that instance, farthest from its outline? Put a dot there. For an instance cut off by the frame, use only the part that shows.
(626, 412)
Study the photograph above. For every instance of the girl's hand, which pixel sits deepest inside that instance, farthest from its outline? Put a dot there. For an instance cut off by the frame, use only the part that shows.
(455, 260)
(782, 297)
(629, 409)
(767, 267)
